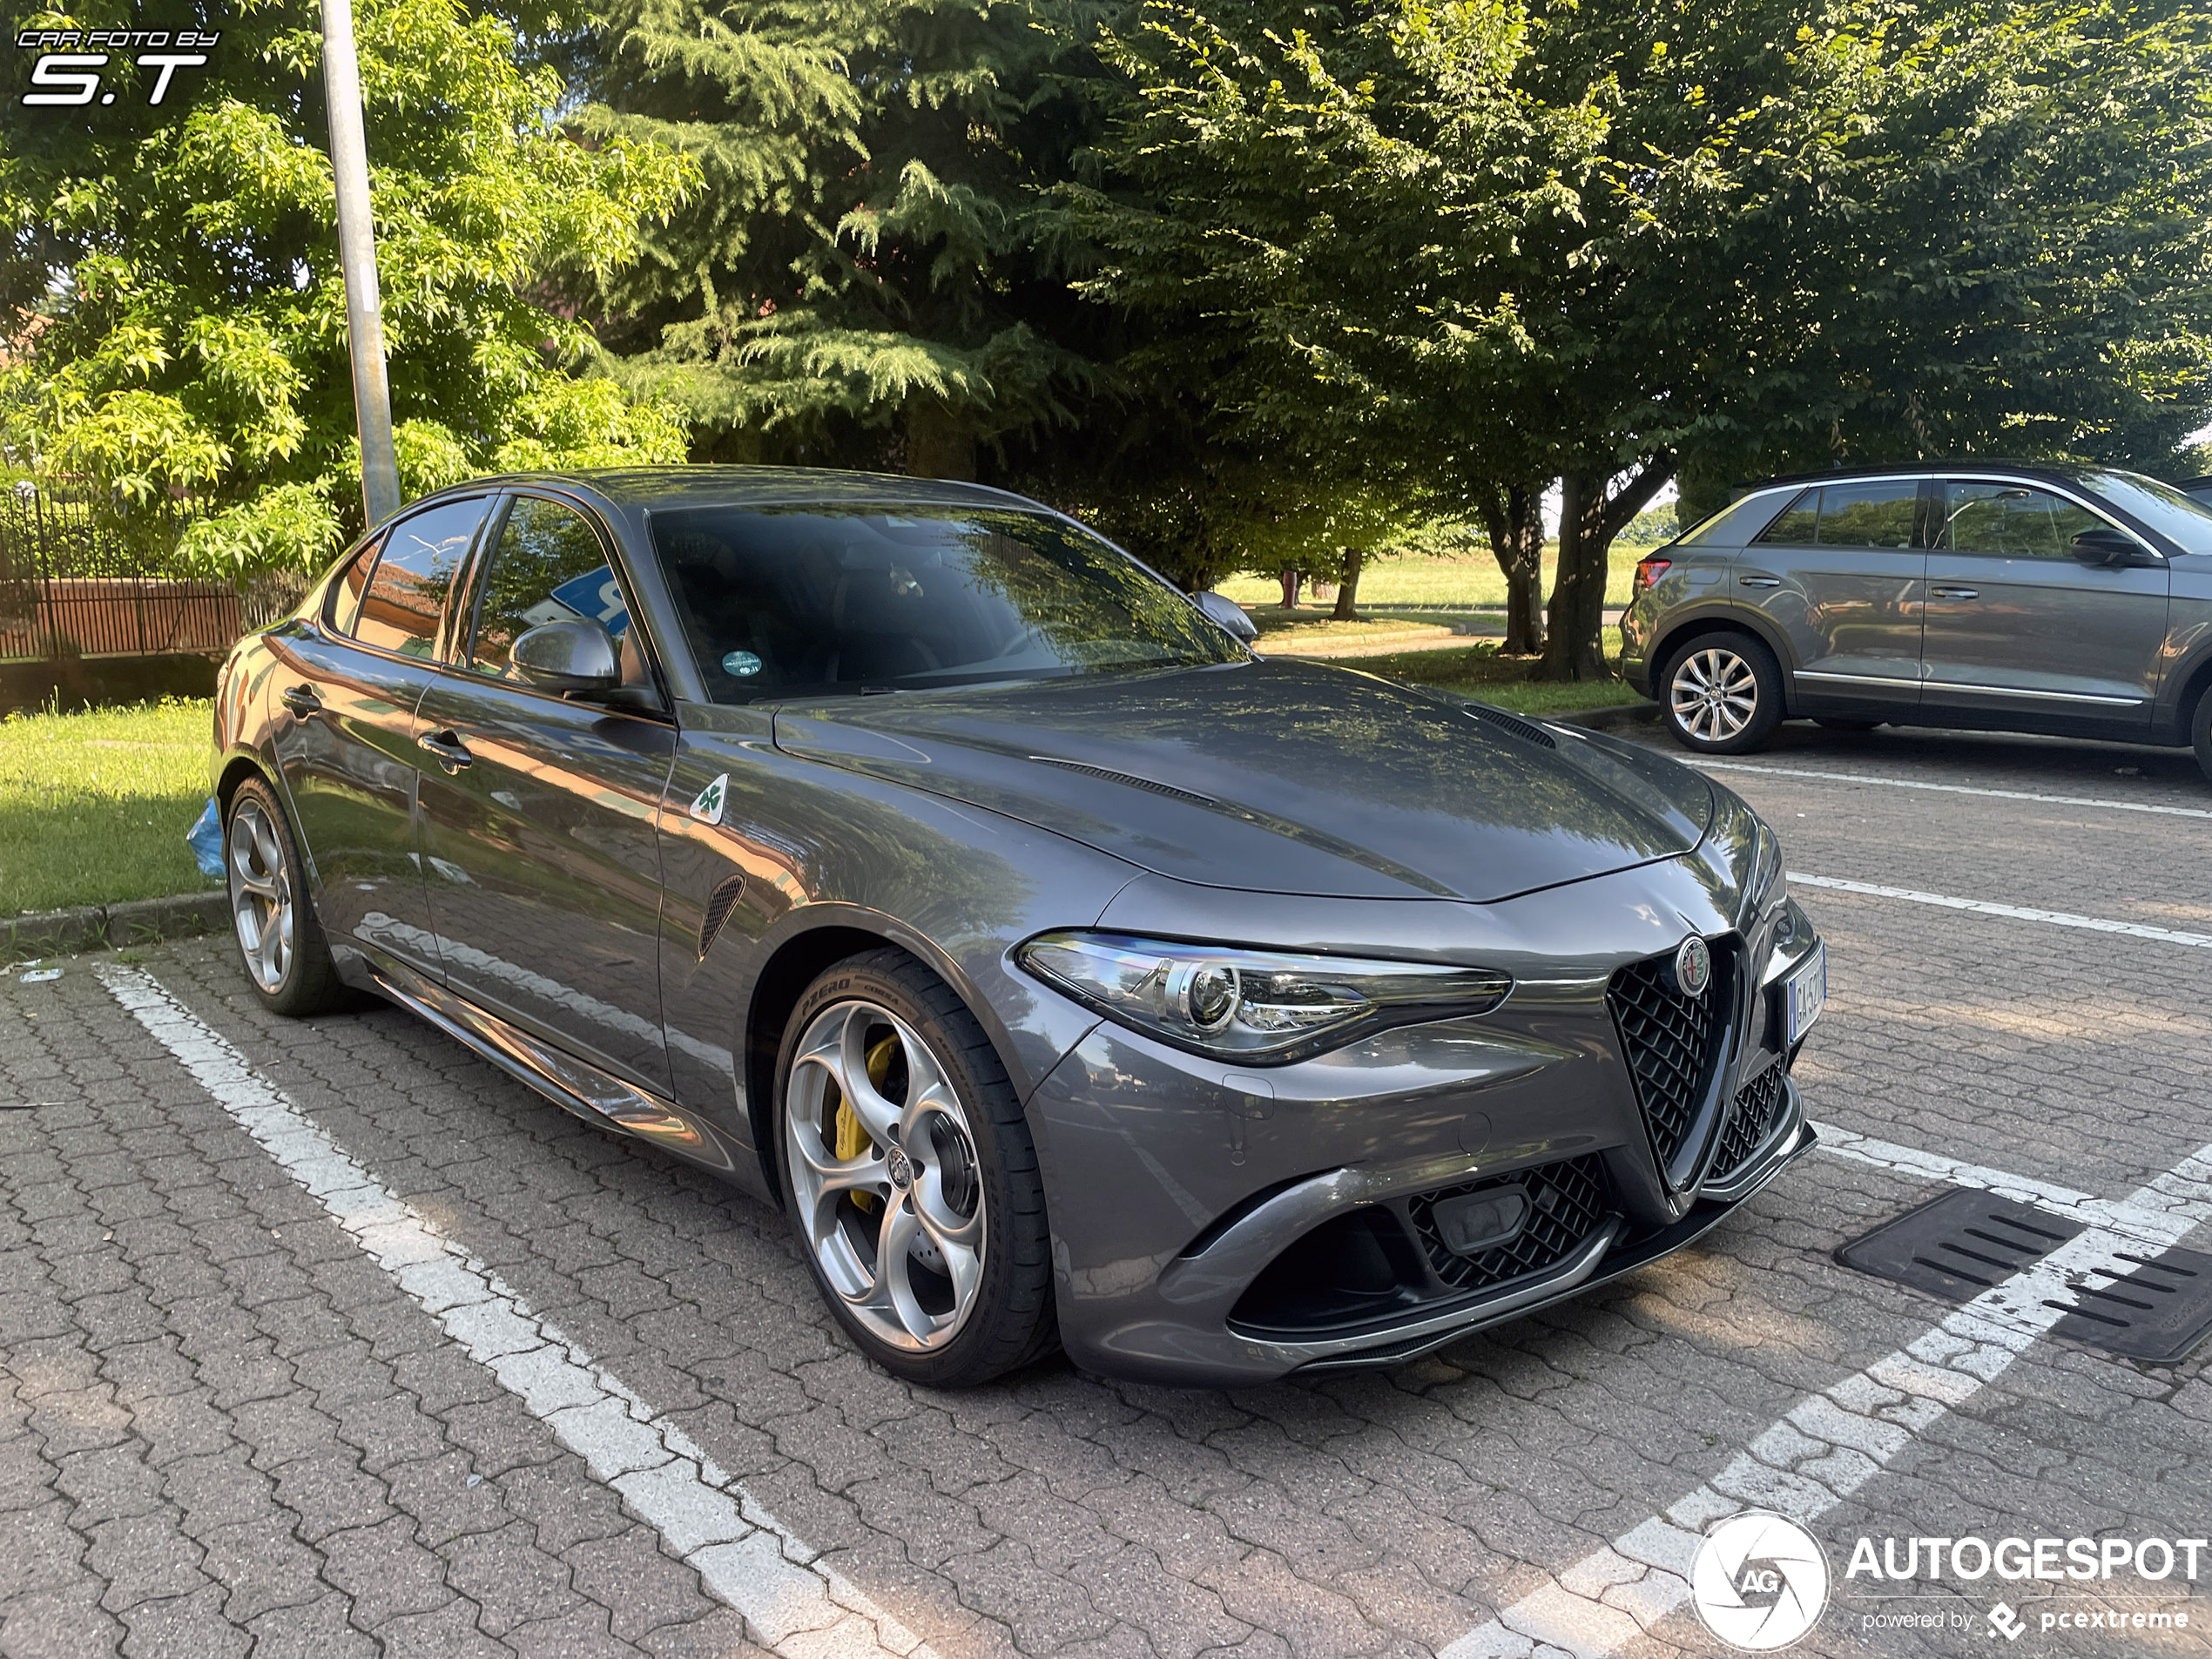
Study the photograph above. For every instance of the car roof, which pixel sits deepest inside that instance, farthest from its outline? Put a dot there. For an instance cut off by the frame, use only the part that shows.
(2057, 471)
(731, 486)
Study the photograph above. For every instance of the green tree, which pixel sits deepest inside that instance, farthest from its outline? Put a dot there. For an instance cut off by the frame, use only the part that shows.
(868, 278)
(1529, 240)
(175, 314)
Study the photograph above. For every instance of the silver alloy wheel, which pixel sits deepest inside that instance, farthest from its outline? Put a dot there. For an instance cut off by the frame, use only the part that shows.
(260, 894)
(1714, 694)
(897, 1226)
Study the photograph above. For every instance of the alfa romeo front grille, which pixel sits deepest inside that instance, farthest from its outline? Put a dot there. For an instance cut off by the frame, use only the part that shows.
(1673, 1041)
(1758, 1103)
(1568, 1202)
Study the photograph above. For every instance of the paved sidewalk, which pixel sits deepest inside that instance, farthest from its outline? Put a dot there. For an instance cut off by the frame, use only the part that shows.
(228, 1427)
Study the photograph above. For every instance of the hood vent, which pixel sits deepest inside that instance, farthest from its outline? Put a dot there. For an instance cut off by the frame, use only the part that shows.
(1130, 779)
(1512, 725)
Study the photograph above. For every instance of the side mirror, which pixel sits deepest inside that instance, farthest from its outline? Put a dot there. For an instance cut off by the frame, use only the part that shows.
(1227, 614)
(567, 658)
(2107, 547)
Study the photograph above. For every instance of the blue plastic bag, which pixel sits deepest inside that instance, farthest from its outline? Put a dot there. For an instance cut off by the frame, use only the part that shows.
(205, 839)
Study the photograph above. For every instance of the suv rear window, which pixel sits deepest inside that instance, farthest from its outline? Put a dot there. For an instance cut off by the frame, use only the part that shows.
(1870, 515)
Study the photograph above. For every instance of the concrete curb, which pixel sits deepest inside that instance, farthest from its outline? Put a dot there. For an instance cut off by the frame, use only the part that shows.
(140, 922)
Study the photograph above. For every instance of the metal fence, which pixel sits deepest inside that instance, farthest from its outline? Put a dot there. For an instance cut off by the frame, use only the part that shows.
(77, 582)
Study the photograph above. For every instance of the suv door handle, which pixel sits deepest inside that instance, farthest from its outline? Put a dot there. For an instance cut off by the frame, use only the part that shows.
(452, 753)
(1758, 581)
(300, 699)
(1956, 593)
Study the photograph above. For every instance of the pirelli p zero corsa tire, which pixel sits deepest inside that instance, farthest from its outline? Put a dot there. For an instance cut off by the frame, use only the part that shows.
(1721, 693)
(281, 945)
(909, 1176)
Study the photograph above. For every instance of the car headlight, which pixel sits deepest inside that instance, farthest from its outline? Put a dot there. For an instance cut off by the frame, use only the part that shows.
(1251, 1005)
(1766, 884)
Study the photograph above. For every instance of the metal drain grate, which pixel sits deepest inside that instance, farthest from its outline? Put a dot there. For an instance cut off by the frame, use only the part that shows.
(1959, 1246)
(2157, 1314)
(1964, 1241)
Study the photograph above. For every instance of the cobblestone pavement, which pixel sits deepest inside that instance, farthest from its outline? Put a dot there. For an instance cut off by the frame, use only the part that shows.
(227, 1426)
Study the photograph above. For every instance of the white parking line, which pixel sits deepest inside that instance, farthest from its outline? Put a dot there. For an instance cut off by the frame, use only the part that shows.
(2016, 912)
(1829, 1445)
(2103, 802)
(790, 1599)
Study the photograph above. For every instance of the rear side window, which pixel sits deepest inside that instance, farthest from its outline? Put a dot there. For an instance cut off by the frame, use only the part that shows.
(1849, 515)
(408, 595)
(345, 602)
(2011, 521)
(1796, 526)
(549, 566)
(1868, 515)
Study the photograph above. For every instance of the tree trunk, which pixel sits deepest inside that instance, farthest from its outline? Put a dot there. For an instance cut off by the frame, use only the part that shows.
(1588, 520)
(1355, 559)
(937, 445)
(1291, 580)
(1514, 516)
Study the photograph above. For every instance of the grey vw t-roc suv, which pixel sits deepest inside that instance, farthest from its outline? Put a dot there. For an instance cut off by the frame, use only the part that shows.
(2027, 597)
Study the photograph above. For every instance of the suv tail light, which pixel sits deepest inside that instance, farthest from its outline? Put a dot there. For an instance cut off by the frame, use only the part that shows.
(1649, 570)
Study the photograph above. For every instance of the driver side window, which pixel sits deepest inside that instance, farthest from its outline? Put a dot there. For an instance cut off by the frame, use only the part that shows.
(549, 566)
(2011, 521)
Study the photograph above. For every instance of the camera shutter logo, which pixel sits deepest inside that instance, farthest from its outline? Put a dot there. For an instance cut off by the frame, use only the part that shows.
(1759, 1582)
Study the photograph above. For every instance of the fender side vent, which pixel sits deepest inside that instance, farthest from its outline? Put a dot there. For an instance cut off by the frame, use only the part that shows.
(1130, 779)
(1512, 724)
(720, 904)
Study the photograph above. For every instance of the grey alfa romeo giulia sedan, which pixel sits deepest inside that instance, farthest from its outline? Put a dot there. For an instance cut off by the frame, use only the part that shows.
(1066, 971)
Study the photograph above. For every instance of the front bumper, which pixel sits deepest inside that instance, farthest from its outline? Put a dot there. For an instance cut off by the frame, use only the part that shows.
(1220, 1225)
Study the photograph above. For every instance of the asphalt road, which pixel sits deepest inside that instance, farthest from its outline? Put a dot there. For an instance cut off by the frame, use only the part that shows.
(327, 1339)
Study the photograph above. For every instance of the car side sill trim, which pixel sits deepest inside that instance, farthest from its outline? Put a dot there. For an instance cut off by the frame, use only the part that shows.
(576, 1085)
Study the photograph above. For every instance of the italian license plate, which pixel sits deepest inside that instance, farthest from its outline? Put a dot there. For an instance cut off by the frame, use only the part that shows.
(1805, 992)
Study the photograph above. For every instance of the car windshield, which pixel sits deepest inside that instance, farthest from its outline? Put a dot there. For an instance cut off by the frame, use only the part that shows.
(779, 602)
(2161, 507)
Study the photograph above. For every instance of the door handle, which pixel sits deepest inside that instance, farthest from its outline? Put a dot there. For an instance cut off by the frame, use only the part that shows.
(452, 753)
(300, 699)
(1758, 581)
(1956, 593)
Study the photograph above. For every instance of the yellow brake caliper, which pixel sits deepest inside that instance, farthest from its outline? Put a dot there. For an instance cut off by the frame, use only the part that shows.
(852, 1139)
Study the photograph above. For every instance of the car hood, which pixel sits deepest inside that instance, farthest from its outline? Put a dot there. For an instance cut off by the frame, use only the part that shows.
(1279, 777)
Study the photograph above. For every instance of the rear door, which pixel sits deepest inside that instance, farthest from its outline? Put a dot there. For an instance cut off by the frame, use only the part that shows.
(1841, 573)
(538, 841)
(2020, 629)
(344, 743)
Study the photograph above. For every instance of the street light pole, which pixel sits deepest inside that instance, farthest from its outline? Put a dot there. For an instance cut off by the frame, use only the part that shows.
(357, 256)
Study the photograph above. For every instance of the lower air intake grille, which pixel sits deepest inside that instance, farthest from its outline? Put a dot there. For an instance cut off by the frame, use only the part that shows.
(1567, 1203)
(1672, 1041)
(1758, 1104)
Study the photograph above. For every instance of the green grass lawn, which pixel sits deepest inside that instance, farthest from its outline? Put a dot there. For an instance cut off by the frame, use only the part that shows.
(1470, 582)
(1281, 630)
(94, 806)
(1480, 672)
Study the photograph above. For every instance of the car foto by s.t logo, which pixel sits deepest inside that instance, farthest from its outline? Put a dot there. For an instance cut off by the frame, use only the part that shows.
(1759, 1581)
(71, 61)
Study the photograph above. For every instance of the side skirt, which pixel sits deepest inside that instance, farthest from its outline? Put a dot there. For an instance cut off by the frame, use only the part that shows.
(576, 1085)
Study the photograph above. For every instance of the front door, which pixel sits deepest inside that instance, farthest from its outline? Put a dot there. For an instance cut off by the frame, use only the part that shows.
(1840, 574)
(539, 848)
(2021, 629)
(345, 744)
